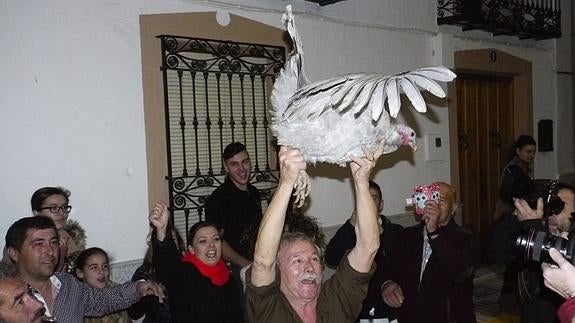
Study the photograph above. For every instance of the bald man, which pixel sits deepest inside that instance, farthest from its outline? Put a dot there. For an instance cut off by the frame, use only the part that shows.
(428, 272)
(17, 303)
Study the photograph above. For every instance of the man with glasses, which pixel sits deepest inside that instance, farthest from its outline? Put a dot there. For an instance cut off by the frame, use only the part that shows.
(54, 202)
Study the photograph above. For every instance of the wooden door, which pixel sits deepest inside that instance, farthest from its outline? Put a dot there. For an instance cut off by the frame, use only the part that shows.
(485, 135)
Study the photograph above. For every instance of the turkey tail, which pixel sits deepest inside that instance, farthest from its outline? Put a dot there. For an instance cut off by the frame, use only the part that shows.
(292, 76)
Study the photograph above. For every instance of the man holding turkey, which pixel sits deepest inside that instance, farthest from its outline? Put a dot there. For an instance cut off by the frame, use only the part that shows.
(298, 293)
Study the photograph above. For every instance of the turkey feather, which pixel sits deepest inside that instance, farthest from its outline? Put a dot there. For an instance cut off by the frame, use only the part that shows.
(392, 91)
(426, 84)
(412, 93)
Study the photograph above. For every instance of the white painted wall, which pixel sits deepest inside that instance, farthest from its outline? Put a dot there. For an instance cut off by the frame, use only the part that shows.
(71, 110)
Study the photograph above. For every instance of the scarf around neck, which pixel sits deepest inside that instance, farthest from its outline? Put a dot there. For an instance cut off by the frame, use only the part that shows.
(219, 274)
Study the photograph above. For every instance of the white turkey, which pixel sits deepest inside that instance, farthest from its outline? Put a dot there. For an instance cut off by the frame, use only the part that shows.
(332, 119)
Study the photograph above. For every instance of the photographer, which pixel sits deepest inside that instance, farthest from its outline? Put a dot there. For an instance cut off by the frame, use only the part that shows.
(535, 302)
(561, 279)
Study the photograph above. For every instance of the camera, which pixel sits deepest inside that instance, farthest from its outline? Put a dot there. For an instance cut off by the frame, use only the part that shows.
(422, 194)
(516, 184)
(534, 245)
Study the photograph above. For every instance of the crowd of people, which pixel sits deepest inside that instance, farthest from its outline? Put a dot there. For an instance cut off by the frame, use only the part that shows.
(245, 265)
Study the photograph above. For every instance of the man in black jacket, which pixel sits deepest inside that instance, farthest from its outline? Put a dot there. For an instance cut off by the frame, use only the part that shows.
(428, 272)
(235, 206)
(344, 240)
(524, 282)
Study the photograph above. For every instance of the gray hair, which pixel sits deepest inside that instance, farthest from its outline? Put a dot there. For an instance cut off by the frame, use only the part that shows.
(7, 271)
(7, 268)
(288, 238)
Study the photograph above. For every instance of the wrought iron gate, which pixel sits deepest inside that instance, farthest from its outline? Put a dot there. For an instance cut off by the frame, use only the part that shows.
(216, 92)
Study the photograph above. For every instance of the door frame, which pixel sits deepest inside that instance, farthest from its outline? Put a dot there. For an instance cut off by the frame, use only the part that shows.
(493, 62)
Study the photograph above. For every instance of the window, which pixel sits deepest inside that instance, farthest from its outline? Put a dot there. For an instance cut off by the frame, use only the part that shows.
(215, 92)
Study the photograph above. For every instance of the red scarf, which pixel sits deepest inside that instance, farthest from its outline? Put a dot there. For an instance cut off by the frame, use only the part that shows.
(218, 274)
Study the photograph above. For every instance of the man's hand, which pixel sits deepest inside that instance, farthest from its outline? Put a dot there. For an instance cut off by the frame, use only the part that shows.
(524, 212)
(392, 294)
(291, 162)
(559, 278)
(431, 216)
(361, 167)
(148, 287)
(159, 218)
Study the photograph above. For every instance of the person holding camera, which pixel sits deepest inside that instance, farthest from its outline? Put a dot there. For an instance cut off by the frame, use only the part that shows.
(427, 273)
(560, 278)
(534, 301)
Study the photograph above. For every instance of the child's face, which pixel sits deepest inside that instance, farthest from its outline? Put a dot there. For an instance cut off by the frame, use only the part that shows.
(96, 272)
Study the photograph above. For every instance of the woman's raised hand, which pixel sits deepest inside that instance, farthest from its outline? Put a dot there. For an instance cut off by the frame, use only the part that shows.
(159, 219)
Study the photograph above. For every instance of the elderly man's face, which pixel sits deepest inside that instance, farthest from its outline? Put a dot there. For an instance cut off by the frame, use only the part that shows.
(17, 304)
(446, 203)
(301, 270)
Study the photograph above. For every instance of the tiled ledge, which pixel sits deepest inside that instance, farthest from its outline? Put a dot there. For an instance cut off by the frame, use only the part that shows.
(123, 271)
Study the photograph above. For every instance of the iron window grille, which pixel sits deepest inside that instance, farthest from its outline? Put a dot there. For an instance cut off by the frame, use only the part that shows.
(216, 92)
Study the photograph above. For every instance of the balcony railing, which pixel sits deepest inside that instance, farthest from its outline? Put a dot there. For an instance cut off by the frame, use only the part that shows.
(325, 2)
(536, 19)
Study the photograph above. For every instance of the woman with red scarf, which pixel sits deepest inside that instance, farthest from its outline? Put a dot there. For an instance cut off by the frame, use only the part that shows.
(199, 284)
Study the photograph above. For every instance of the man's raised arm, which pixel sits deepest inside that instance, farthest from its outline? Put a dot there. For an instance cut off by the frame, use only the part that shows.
(366, 228)
(271, 227)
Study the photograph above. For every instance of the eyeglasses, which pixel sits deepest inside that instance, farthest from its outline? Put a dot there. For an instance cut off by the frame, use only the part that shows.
(56, 209)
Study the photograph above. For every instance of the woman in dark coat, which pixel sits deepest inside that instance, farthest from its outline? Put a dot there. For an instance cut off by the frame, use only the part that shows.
(199, 284)
(518, 170)
(523, 155)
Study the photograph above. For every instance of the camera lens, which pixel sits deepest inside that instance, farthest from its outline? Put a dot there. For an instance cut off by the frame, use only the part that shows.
(534, 245)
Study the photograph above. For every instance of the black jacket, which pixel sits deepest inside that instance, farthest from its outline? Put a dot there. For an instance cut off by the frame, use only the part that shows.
(448, 275)
(343, 240)
(235, 211)
(192, 296)
(149, 306)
